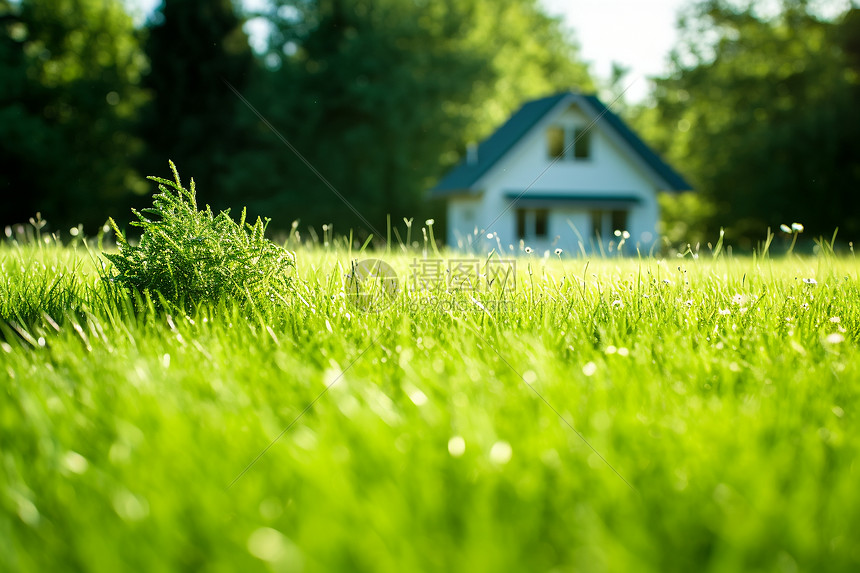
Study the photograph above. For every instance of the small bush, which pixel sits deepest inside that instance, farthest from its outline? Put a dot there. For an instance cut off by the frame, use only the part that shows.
(190, 256)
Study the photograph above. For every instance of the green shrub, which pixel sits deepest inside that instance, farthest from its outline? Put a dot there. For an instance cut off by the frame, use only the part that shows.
(685, 217)
(189, 256)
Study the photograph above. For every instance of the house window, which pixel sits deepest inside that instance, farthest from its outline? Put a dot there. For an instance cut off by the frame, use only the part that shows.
(555, 142)
(541, 216)
(521, 223)
(532, 223)
(564, 143)
(582, 143)
(619, 220)
(597, 224)
(605, 223)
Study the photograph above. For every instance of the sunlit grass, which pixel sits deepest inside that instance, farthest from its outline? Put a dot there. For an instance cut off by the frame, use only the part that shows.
(605, 415)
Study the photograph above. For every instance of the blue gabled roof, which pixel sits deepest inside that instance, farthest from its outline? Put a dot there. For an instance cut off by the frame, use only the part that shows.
(464, 175)
(672, 177)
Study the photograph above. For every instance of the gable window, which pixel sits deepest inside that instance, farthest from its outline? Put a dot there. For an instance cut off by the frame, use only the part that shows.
(582, 143)
(568, 143)
(555, 142)
(532, 223)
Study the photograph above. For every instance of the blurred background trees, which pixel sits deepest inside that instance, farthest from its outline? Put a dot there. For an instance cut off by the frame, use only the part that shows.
(193, 48)
(382, 96)
(70, 74)
(761, 112)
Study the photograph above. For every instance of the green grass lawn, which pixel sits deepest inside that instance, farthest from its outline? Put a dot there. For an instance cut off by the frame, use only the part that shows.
(606, 415)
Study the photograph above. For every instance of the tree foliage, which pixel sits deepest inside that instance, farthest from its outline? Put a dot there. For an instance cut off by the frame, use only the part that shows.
(382, 96)
(760, 111)
(194, 47)
(69, 74)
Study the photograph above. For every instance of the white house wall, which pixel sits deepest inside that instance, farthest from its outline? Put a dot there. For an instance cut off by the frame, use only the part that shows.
(466, 215)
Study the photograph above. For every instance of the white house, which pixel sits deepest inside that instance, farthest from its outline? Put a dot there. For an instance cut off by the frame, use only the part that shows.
(563, 172)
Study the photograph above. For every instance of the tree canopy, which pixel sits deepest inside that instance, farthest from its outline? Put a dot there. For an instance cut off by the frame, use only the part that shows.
(69, 90)
(761, 112)
(382, 96)
(193, 48)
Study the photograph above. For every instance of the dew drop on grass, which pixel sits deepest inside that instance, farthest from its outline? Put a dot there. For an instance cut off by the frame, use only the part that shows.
(501, 453)
(456, 446)
(589, 368)
(129, 506)
(271, 545)
(28, 512)
(305, 438)
(75, 462)
(331, 375)
(418, 397)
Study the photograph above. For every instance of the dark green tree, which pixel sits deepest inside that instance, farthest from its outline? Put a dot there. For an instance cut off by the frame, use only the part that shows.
(761, 112)
(69, 74)
(382, 96)
(194, 47)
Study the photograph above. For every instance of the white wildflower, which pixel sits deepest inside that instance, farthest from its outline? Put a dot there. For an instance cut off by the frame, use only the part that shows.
(834, 338)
